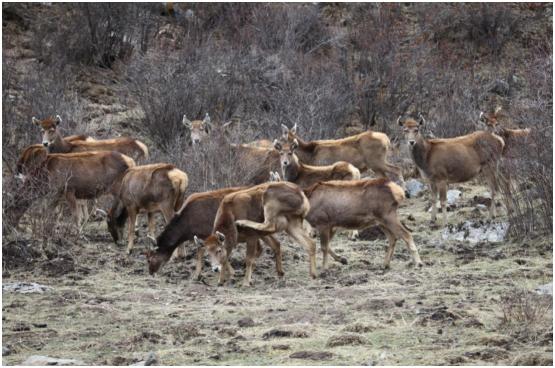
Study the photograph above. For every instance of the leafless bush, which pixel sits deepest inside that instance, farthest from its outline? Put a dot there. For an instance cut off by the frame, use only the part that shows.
(526, 315)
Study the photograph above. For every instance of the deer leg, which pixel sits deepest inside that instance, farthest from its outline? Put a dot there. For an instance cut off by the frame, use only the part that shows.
(276, 247)
(252, 244)
(269, 224)
(151, 224)
(75, 209)
(131, 231)
(392, 240)
(493, 186)
(433, 199)
(295, 229)
(442, 187)
(324, 245)
(198, 266)
(401, 232)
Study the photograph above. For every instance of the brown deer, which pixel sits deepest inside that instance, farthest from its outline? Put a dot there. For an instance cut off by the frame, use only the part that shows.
(356, 205)
(84, 175)
(261, 210)
(196, 218)
(305, 175)
(153, 188)
(453, 160)
(200, 129)
(512, 137)
(55, 143)
(365, 151)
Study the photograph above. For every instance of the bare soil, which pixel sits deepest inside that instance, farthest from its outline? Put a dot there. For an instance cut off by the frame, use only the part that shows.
(104, 308)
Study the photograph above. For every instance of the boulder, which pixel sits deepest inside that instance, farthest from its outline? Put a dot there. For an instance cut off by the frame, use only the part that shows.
(45, 360)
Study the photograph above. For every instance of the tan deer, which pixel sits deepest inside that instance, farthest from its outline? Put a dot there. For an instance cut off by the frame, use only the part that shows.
(262, 210)
(365, 151)
(453, 160)
(512, 137)
(196, 218)
(84, 175)
(55, 143)
(153, 188)
(355, 205)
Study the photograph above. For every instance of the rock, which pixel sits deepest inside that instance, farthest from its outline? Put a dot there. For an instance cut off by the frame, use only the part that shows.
(149, 359)
(546, 289)
(44, 360)
(24, 287)
(453, 196)
(6, 350)
(413, 187)
(283, 333)
(245, 322)
(311, 355)
(349, 339)
(475, 232)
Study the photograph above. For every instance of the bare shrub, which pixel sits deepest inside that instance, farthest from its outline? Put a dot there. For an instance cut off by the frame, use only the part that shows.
(526, 315)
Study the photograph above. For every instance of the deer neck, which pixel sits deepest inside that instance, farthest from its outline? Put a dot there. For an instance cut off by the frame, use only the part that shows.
(420, 154)
(291, 172)
(60, 145)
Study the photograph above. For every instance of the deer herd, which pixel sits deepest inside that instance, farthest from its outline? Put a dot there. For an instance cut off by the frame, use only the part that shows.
(320, 188)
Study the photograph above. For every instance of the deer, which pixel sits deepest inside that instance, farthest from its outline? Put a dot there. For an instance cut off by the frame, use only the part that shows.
(199, 129)
(295, 171)
(367, 150)
(153, 188)
(261, 210)
(512, 137)
(53, 141)
(195, 219)
(453, 160)
(73, 176)
(355, 205)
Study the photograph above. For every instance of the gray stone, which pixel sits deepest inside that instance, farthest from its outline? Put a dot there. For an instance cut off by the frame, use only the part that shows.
(24, 287)
(44, 360)
(546, 289)
(474, 233)
(453, 196)
(414, 187)
(149, 359)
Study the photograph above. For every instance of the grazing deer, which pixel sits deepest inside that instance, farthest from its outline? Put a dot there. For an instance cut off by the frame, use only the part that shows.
(512, 137)
(156, 187)
(55, 143)
(453, 160)
(84, 175)
(262, 210)
(356, 205)
(196, 218)
(365, 151)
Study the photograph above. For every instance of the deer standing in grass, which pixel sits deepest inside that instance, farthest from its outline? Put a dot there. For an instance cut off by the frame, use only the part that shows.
(55, 143)
(262, 210)
(355, 205)
(196, 218)
(153, 188)
(453, 160)
(365, 151)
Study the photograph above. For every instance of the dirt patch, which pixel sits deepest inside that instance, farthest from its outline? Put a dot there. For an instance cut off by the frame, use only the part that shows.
(312, 355)
(276, 333)
(58, 266)
(343, 340)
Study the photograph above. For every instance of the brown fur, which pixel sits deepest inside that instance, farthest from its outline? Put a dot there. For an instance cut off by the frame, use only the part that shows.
(153, 188)
(356, 205)
(365, 151)
(454, 160)
(512, 137)
(258, 211)
(76, 176)
(55, 143)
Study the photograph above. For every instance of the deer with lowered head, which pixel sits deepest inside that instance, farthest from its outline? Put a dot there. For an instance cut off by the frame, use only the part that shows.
(258, 211)
(453, 160)
(367, 150)
(490, 122)
(153, 188)
(53, 141)
(83, 175)
(196, 219)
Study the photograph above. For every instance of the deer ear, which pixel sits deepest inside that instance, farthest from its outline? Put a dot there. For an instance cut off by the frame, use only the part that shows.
(58, 119)
(284, 129)
(399, 121)
(220, 236)
(207, 119)
(186, 121)
(277, 145)
(294, 129)
(199, 242)
(421, 120)
(294, 145)
(35, 121)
